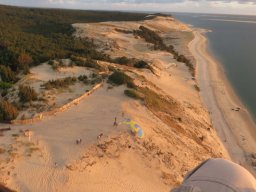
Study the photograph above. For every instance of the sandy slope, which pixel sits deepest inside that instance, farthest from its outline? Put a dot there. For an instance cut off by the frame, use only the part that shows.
(236, 129)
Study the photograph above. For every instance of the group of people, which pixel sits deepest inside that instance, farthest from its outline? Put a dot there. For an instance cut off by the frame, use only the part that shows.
(115, 124)
(236, 109)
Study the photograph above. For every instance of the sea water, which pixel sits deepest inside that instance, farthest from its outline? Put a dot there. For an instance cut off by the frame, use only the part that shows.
(232, 41)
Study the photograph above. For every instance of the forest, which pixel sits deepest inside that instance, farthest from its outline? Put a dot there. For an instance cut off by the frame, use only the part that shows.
(30, 36)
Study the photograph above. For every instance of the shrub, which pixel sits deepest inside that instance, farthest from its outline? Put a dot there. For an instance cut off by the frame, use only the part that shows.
(132, 93)
(111, 68)
(122, 60)
(96, 80)
(119, 78)
(59, 83)
(123, 31)
(141, 64)
(5, 85)
(7, 111)
(131, 84)
(7, 74)
(27, 93)
(50, 62)
(4, 92)
(83, 78)
(24, 60)
(92, 64)
(132, 62)
(86, 62)
(197, 88)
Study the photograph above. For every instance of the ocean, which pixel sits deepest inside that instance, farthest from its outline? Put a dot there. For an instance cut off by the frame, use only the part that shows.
(232, 41)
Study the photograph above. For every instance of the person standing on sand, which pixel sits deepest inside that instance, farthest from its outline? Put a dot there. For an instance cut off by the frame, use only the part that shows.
(115, 122)
(100, 136)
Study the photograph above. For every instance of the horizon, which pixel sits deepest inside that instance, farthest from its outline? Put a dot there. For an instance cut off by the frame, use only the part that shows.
(227, 7)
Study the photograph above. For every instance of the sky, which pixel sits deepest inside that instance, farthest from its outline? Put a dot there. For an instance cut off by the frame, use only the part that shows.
(244, 7)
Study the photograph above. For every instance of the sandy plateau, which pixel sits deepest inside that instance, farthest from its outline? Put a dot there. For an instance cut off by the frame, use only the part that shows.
(175, 141)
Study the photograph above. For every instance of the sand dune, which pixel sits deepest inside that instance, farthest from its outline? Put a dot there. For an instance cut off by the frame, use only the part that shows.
(175, 140)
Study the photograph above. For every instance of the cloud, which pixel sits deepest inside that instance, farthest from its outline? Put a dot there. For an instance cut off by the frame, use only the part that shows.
(151, 1)
(160, 1)
(157, 2)
(196, 6)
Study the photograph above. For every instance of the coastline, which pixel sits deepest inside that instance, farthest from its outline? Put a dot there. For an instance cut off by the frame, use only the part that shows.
(219, 97)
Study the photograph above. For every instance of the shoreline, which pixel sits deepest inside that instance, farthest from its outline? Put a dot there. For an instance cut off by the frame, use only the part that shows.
(219, 98)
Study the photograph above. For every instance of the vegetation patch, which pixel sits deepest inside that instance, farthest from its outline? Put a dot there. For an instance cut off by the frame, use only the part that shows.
(7, 74)
(87, 62)
(27, 94)
(141, 64)
(120, 78)
(149, 36)
(30, 36)
(133, 94)
(152, 37)
(156, 101)
(123, 31)
(58, 63)
(123, 61)
(7, 111)
(83, 78)
(197, 88)
(133, 62)
(95, 78)
(5, 85)
(60, 83)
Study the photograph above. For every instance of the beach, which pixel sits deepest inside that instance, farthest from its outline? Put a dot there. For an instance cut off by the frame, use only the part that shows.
(236, 129)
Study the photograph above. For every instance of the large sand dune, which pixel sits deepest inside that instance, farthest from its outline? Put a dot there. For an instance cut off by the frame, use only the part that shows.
(174, 142)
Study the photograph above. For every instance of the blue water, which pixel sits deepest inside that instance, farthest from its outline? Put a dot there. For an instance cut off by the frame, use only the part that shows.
(234, 45)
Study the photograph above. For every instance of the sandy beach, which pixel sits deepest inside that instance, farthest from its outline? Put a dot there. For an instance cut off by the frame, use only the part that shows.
(236, 129)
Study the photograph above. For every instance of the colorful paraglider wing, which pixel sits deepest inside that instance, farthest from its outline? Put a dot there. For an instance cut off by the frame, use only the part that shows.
(140, 133)
(134, 127)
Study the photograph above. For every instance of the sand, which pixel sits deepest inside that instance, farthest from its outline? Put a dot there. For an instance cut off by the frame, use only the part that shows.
(235, 128)
(175, 141)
